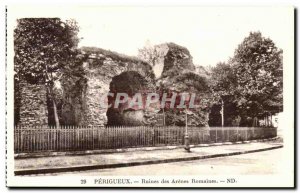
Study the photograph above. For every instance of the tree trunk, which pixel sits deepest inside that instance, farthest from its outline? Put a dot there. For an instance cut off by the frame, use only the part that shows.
(55, 114)
(54, 107)
(254, 121)
(271, 119)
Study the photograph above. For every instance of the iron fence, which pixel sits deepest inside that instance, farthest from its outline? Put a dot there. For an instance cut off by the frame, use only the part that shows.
(70, 138)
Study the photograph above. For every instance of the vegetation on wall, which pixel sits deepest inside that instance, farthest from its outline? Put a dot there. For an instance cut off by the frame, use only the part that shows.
(250, 84)
(43, 48)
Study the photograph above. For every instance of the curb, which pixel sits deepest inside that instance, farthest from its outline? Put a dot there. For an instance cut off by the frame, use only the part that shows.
(137, 163)
(124, 150)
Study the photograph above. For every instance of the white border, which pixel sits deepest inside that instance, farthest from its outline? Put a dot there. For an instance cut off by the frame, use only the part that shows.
(288, 91)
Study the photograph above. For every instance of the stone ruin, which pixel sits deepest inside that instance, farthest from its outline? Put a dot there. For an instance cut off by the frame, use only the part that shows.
(33, 109)
(101, 67)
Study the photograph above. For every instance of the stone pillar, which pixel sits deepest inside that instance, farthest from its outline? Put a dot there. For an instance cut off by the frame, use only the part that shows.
(33, 107)
(94, 112)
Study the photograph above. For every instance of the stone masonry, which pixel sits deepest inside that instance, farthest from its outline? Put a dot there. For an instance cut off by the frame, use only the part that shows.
(33, 108)
(100, 69)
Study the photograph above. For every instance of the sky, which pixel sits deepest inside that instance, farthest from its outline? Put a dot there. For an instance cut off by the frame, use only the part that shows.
(211, 34)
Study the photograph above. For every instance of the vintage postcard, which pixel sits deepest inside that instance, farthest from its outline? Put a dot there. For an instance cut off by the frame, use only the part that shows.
(149, 96)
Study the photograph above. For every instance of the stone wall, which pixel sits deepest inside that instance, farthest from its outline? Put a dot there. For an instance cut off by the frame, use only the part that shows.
(100, 68)
(179, 75)
(173, 57)
(33, 106)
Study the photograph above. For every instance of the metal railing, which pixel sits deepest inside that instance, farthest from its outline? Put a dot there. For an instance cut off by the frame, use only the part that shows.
(70, 138)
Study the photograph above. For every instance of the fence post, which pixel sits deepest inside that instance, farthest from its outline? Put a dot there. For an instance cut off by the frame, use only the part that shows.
(76, 142)
(32, 137)
(93, 138)
(151, 142)
(49, 144)
(64, 131)
(53, 137)
(68, 136)
(31, 140)
(41, 136)
(228, 132)
(115, 136)
(143, 136)
(22, 140)
(223, 137)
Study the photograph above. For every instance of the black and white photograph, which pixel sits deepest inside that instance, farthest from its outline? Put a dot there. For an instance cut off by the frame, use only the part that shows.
(149, 96)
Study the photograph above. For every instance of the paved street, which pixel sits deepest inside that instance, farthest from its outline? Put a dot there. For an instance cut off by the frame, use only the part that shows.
(133, 158)
(266, 162)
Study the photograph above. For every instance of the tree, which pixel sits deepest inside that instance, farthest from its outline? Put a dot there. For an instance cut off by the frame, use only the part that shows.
(251, 82)
(257, 65)
(223, 80)
(43, 47)
(223, 85)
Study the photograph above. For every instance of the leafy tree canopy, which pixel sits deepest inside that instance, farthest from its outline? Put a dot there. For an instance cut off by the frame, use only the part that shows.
(43, 46)
(252, 79)
(257, 65)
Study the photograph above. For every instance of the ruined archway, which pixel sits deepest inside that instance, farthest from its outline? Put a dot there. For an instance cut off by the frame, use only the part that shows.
(130, 112)
(101, 67)
(90, 81)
